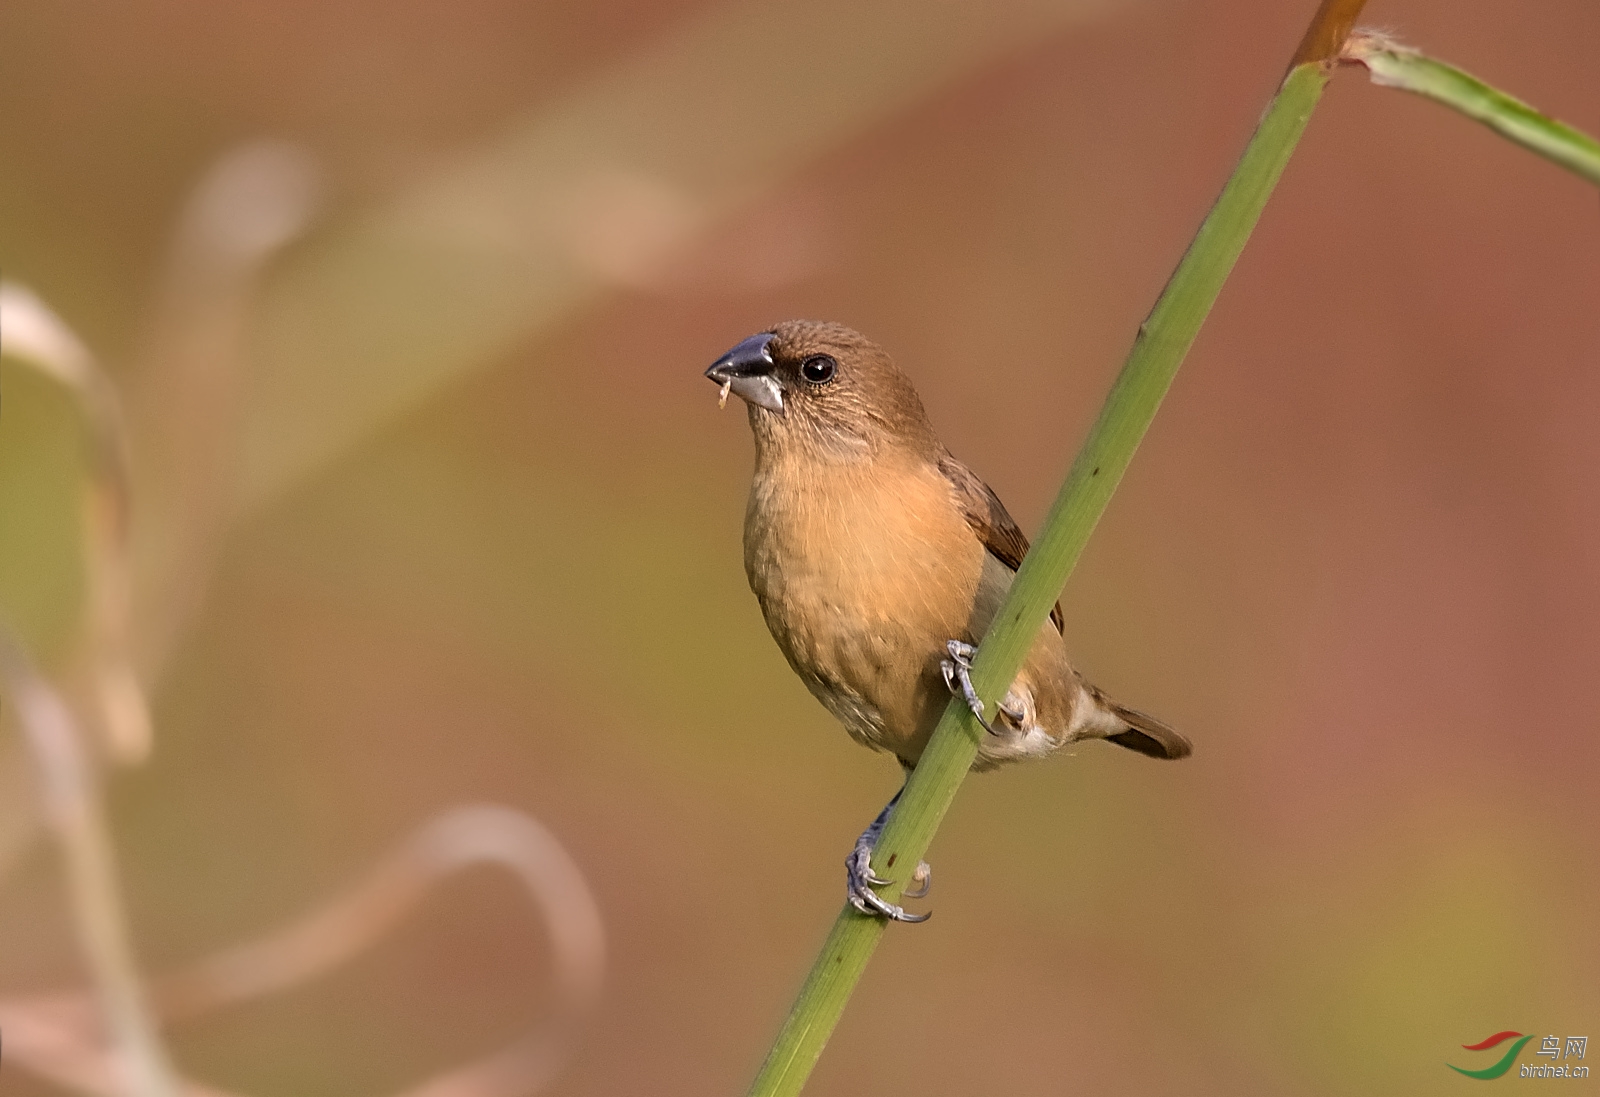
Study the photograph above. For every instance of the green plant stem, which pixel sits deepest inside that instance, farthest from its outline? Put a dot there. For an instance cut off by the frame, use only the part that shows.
(1159, 349)
(1394, 66)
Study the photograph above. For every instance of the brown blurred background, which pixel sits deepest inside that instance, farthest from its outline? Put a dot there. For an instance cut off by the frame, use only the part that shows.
(433, 506)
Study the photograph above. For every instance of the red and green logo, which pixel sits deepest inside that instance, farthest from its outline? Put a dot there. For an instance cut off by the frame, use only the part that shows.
(1506, 1060)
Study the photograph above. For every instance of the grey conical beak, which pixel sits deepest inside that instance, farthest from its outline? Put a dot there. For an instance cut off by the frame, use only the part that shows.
(747, 371)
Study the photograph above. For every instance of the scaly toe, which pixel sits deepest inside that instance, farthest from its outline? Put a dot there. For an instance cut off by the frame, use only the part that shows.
(961, 652)
(958, 679)
(860, 880)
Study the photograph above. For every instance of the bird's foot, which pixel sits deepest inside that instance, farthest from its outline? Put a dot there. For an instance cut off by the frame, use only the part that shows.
(860, 879)
(957, 672)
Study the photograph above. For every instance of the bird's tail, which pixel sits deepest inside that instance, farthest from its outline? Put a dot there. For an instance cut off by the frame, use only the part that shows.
(1147, 735)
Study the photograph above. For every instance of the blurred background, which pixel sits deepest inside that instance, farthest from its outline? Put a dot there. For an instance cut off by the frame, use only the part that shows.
(406, 305)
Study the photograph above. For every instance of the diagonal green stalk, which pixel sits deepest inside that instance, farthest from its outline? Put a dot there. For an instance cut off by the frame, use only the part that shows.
(1395, 66)
(1159, 349)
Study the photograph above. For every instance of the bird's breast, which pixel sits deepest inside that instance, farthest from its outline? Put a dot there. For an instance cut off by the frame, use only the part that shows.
(861, 544)
(863, 572)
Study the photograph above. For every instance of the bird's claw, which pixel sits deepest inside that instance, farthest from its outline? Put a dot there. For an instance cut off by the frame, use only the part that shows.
(957, 671)
(862, 869)
(861, 880)
(921, 881)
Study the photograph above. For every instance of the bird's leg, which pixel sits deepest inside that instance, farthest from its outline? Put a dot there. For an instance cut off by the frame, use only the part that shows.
(860, 879)
(957, 672)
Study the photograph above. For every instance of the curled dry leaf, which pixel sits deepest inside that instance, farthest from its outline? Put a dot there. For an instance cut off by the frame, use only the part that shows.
(59, 1037)
(35, 335)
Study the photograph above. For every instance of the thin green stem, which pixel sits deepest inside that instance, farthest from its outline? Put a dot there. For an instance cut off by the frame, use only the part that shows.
(1395, 66)
(1162, 342)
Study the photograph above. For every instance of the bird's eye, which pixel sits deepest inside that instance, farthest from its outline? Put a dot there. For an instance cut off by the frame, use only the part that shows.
(818, 369)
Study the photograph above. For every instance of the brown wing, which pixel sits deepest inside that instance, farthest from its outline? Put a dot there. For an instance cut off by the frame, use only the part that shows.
(987, 516)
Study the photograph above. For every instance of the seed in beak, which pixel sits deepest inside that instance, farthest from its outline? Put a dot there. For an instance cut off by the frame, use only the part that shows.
(722, 397)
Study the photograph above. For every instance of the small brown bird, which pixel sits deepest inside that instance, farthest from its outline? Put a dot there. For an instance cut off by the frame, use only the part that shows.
(879, 560)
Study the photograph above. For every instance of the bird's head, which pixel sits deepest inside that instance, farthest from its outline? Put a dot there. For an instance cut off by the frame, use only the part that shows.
(823, 387)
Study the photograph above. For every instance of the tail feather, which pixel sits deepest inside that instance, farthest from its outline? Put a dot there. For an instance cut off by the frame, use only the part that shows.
(1146, 734)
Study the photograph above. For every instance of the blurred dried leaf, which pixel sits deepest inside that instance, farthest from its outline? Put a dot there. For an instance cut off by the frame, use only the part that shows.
(58, 1036)
(184, 391)
(603, 188)
(37, 336)
(135, 1060)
